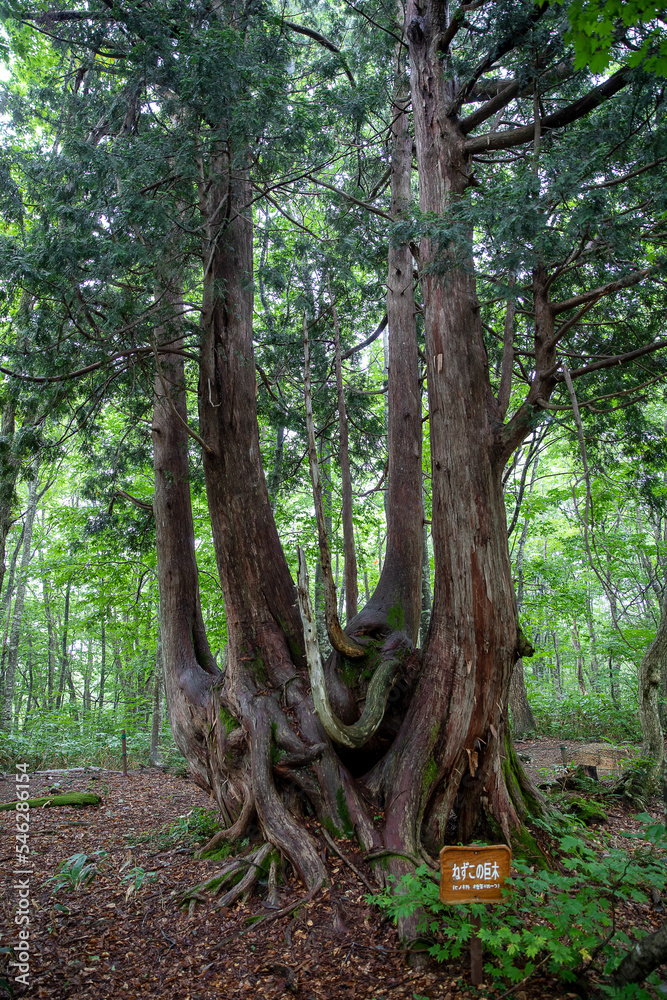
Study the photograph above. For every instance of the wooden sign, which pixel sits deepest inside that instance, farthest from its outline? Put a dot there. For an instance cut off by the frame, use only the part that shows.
(474, 874)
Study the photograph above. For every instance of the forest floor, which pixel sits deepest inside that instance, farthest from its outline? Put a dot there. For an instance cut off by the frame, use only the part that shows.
(98, 943)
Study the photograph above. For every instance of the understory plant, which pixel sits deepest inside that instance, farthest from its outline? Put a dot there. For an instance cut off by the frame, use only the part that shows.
(78, 871)
(563, 923)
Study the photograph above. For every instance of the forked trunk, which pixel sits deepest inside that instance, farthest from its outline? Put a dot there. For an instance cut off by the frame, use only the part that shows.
(266, 680)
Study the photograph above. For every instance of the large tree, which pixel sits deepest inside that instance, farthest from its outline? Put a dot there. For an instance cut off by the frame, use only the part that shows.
(178, 122)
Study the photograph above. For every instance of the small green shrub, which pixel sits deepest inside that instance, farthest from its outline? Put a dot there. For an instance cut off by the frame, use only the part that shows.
(135, 878)
(562, 923)
(190, 830)
(78, 871)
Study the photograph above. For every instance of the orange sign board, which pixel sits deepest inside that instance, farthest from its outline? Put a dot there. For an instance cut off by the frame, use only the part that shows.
(474, 874)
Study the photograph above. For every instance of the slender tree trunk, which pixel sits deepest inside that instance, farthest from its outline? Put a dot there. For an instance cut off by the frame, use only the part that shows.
(87, 678)
(9, 589)
(17, 616)
(103, 664)
(277, 470)
(9, 469)
(594, 668)
(349, 553)
(576, 645)
(649, 675)
(556, 669)
(31, 684)
(51, 633)
(156, 719)
(64, 656)
(523, 720)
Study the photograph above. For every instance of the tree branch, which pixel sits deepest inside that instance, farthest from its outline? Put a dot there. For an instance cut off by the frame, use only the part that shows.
(519, 136)
(502, 98)
(317, 37)
(597, 293)
(502, 48)
(356, 201)
(369, 340)
(618, 359)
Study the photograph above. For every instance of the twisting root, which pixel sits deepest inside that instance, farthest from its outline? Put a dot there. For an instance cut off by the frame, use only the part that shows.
(249, 880)
(251, 864)
(236, 830)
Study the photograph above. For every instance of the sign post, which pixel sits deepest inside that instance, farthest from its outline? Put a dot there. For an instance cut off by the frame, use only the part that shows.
(474, 874)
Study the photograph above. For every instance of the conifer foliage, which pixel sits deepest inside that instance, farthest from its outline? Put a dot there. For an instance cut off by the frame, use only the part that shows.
(192, 193)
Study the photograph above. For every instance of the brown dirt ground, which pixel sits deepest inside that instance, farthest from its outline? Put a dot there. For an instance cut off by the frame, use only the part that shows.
(334, 947)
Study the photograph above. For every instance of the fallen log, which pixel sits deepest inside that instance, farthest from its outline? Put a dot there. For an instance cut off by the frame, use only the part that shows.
(50, 801)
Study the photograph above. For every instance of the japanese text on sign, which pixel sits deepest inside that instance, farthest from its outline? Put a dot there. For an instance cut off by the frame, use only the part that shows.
(473, 874)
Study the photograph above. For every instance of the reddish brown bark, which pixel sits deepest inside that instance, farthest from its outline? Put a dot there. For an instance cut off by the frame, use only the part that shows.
(391, 616)
(447, 755)
(190, 671)
(266, 681)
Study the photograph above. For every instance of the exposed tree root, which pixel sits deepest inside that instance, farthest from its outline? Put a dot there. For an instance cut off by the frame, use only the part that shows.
(233, 832)
(249, 880)
(251, 864)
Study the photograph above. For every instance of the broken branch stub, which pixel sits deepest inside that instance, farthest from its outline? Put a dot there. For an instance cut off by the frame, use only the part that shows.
(380, 685)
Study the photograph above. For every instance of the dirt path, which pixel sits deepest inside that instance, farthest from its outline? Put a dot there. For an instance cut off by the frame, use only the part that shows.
(543, 758)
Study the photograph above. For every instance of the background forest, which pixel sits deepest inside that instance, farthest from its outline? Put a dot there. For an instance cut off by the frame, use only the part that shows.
(98, 165)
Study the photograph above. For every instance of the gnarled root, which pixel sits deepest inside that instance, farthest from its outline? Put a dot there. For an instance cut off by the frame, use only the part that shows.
(242, 872)
(236, 830)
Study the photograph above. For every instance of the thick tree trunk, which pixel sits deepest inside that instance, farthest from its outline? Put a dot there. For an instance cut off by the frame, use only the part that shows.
(447, 757)
(190, 671)
(265, 667)
(426, 587)
(17, 616)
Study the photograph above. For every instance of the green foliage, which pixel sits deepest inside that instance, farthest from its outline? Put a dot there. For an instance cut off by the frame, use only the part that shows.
(587, 810)
(78, 871)
(561, 922)
(135, 878)
(190, 830)
(591, 716)
(597, 26)
(60, 740)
